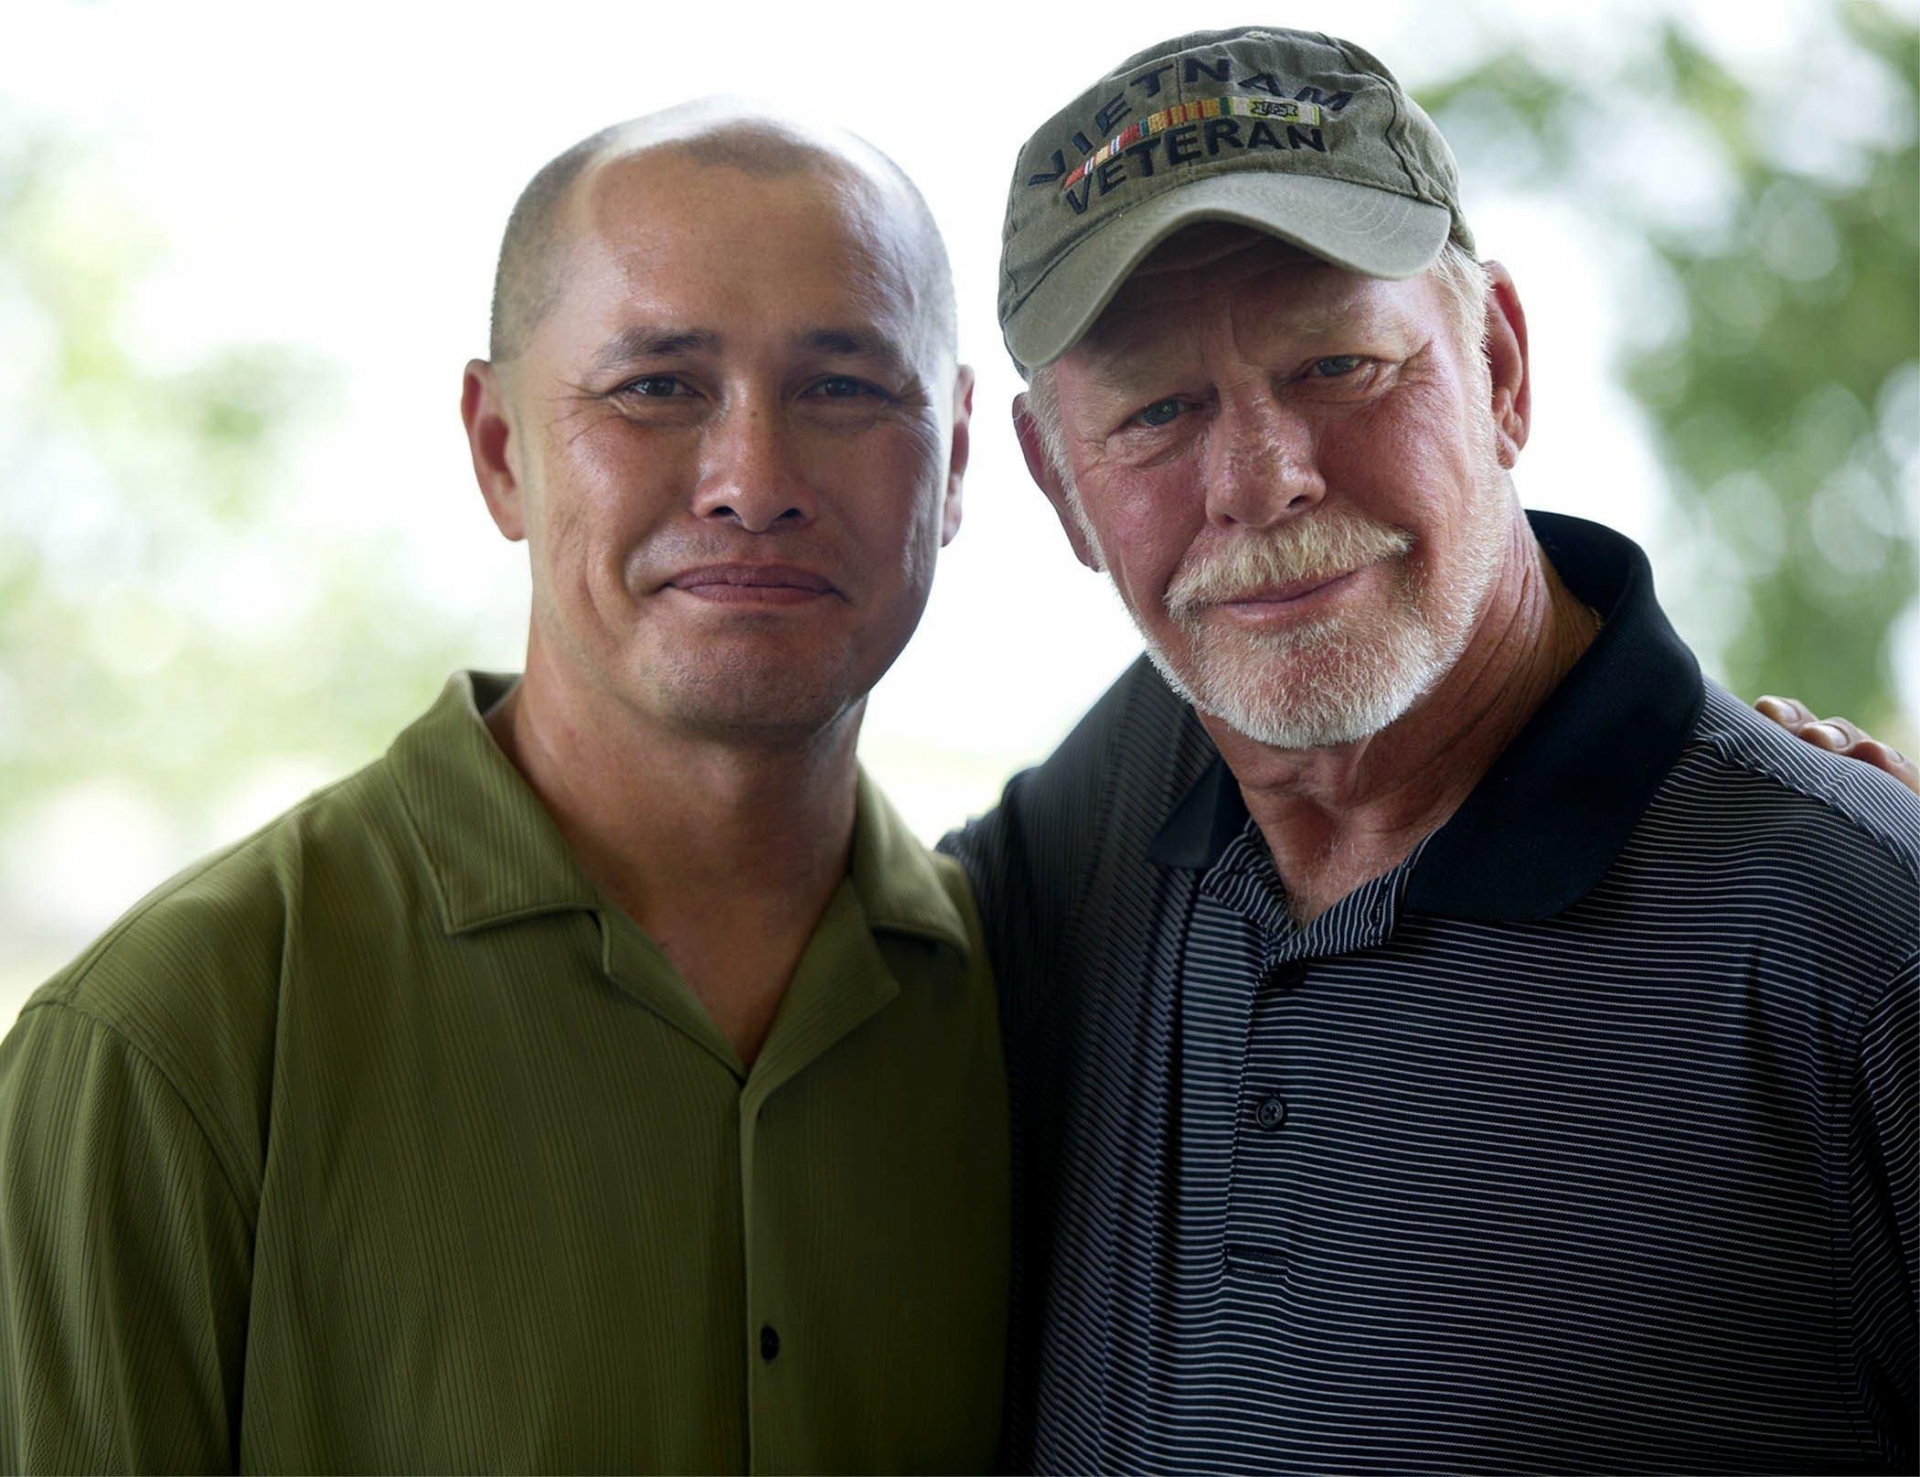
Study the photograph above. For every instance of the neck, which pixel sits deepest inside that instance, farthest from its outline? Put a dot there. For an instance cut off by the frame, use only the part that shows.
(1337, 817)
(724, 848)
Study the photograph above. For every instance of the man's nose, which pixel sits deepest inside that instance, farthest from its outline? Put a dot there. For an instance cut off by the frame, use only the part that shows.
(1260, 463)
(749, 473)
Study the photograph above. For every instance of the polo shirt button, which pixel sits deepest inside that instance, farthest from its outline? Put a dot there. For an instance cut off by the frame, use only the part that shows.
(1286, 976)
(769, 1343)
(1270, 1114)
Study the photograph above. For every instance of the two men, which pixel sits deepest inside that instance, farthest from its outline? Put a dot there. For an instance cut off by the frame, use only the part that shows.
(604, 1079)
(1400, 1069)
(1444, 1032)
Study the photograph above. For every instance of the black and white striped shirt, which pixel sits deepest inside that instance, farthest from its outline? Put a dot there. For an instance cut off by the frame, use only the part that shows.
(1584, 1140)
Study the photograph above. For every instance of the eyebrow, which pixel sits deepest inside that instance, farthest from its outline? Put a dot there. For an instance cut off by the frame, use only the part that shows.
(856, 343)
(650, 341)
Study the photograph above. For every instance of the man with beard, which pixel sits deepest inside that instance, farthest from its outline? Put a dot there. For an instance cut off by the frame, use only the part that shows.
(1444, 1032)
(605, 1079)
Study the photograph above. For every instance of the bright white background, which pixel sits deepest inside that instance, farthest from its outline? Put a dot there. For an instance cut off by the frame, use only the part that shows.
(337, 176)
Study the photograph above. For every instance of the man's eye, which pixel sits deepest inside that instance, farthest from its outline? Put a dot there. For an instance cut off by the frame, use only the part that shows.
(1336, 366)
(843, 387)
(652, 385)
(1160, 412)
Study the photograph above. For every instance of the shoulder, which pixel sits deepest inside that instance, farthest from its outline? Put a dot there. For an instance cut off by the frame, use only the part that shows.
(1868, 819)
(190, 977)
(1791, 843)
(224, 918)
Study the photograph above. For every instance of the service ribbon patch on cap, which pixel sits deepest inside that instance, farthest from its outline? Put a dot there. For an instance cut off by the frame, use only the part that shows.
(1279, 110)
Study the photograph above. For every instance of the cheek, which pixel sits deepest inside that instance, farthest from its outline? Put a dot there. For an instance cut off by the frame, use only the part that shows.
(1147, 521)
(1410, 464)
(607, 485)
(886, 489)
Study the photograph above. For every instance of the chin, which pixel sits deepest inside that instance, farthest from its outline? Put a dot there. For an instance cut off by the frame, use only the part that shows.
(770, 694)
(1314, 688)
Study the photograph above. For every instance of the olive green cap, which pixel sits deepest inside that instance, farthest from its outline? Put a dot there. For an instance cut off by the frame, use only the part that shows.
(1291, 132)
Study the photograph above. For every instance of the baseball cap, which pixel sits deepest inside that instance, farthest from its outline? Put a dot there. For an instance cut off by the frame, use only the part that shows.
(1295, 133)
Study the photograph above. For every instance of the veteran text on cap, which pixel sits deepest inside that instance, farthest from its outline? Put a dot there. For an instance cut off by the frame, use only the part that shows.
(1295, 133)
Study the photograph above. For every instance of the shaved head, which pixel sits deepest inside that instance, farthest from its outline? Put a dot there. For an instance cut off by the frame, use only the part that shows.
(723, 357)
(713, 133)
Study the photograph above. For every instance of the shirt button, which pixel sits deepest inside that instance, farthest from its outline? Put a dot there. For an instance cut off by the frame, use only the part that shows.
(769, 1343)
(1286, 976)
(1270, 1114)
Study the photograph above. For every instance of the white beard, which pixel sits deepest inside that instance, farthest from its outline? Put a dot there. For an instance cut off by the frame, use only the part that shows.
(1348, 675)
(1335, 681)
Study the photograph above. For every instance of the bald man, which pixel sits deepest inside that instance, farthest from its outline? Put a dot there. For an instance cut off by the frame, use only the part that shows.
(604, 1079)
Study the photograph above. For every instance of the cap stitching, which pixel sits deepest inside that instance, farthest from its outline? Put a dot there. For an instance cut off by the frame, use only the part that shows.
(1394, 124)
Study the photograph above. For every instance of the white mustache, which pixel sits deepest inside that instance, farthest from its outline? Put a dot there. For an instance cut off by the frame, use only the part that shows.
(1321, 546)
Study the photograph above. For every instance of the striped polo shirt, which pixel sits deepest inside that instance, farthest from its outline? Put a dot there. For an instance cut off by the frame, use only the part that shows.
(1583, 1140)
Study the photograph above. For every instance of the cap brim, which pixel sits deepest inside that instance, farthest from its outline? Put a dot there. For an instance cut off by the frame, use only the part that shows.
(1365, 230)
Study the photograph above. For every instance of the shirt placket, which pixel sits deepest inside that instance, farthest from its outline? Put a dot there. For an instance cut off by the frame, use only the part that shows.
(1274, 1109)
(841, 981)
(1239, 933)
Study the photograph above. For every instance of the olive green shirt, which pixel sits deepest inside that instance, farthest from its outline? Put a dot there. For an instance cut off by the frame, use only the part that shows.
(383, 1141)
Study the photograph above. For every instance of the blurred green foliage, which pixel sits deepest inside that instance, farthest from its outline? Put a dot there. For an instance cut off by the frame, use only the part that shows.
(1783, 389)
(168, 617)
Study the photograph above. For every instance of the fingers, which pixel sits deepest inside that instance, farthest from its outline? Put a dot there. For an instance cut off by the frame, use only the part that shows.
(1838, 736)
(1833, 734)
(1885, 756)
(1787, 712)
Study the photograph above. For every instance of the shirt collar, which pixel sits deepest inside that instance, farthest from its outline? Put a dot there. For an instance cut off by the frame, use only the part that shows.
(1547, 820)
(896, 878)
(495, 854)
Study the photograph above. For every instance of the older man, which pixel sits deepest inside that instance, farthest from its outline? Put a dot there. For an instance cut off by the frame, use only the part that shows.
(1444, 1032)
(604, 1079)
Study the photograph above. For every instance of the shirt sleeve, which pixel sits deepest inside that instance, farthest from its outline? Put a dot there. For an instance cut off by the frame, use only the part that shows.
(124, 1261)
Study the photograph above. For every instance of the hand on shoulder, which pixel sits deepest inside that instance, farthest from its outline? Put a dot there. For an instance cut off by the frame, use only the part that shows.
(1838, 736)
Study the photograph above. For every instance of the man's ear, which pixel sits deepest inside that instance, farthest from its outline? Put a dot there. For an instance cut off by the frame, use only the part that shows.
(1047, 478)
(962, 449)
(1506, 350)
(489, 432)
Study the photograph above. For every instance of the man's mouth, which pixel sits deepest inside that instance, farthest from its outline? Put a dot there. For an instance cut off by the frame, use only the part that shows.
(757, 584)
(1273, 601)
(1289, 592)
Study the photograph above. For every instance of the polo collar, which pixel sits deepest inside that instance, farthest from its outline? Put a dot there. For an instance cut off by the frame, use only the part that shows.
(896, 878)
(1547, 820)
(493, 852)
(496, 856)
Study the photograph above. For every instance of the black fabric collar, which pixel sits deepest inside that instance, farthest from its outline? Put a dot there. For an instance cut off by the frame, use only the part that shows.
(1545, 823)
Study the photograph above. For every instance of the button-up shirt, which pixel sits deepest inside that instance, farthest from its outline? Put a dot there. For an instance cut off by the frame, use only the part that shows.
(1582, 1140)
(383, 1141)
